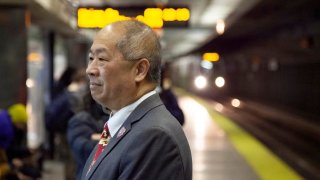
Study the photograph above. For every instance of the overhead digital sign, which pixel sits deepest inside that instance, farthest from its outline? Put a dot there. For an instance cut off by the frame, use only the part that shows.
(89, 17)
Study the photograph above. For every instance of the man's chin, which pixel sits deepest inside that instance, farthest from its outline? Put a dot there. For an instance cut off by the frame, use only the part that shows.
(99, 101)
(96, 98)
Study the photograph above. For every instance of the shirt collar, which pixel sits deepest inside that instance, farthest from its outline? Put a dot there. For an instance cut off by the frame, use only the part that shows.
(117, 119)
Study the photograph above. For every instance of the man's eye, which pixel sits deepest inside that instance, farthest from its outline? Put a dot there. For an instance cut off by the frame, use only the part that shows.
(102, 59)
(91, 58)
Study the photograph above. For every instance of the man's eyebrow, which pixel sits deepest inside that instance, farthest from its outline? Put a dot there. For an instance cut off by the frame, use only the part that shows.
(97, 51)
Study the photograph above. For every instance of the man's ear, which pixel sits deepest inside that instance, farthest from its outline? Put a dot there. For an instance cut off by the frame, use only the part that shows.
(142, 68)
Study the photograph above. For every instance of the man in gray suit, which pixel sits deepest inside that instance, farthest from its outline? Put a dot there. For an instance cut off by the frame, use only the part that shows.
(142, 141)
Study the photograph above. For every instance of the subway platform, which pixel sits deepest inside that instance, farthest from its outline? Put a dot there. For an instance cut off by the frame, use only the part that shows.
(220, 149)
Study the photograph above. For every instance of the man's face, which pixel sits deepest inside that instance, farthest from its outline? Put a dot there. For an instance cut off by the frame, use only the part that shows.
(111, 77)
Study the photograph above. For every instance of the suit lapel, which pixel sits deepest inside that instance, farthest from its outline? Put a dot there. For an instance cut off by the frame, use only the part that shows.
(148, 104)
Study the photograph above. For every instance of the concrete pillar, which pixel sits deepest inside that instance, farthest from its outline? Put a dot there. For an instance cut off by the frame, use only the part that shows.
(13, 55)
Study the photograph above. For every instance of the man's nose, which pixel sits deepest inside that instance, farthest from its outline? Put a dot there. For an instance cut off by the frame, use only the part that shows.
(92, 69)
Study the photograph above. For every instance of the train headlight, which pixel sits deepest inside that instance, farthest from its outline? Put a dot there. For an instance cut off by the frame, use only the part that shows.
(235, 102)
(200, 82)
(220, 82)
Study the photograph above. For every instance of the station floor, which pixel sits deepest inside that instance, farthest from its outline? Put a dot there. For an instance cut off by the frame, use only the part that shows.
(220, 149)
(214, 157)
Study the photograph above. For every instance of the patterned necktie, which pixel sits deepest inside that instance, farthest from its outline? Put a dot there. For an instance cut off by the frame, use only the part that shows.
(104, 139)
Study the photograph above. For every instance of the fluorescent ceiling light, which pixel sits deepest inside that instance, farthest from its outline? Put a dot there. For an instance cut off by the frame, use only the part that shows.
(218, 9)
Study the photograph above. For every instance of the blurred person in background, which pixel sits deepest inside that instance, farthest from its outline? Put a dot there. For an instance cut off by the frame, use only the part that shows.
(6, 136)
(23, 162)
(168, 98)
(59, 104)
(68, 100)
(84, 130)
(64, 81)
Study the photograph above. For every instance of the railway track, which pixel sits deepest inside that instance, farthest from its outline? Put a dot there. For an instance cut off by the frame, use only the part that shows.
(292, 138)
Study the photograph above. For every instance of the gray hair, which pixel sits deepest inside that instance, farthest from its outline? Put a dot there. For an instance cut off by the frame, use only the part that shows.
(140, 41)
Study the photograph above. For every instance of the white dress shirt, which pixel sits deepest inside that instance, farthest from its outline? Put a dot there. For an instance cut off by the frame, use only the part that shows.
(117, 119)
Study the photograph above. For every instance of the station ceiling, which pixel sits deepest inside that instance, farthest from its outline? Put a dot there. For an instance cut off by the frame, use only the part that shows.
(176, 41)
(281, 20)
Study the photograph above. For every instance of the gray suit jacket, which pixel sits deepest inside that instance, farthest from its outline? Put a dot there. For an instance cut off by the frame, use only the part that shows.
(150, 145)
